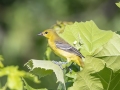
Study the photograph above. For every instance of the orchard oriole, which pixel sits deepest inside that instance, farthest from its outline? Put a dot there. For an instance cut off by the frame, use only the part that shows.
(62, 48)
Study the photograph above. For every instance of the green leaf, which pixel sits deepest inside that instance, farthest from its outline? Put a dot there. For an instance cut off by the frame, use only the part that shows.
(112, 48)
(27, 87)
(10, 70)
(70, 34)
(41, 72)
(15, 82)
(109, 79)
(118, 4)
(110, 52)
(112, 62)
(84, 79)
(87, 33)
(95, 76)
(72, 74)
(47, 53)
(31, 77)
(93, 64)
(46, 67)
(14, 77)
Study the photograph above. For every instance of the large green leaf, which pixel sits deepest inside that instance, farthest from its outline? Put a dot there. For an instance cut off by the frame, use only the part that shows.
(109, 79)
(112, 48)
(87, 33)
(45, 68)
(112, 62)
(110, 52)
(84, 79)
(98, 76)
(70, 34)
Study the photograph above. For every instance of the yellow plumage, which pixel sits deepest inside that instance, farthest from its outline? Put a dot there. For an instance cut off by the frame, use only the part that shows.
(61, 48)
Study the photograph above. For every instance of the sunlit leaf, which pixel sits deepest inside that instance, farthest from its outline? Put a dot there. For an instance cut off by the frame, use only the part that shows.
(87, 33)
(14, 80)
(112, 48)
(118, 4)
(14, 77)
(112, 62)
(84, 79)
(47, 53)
(46, 67)
(72, 74)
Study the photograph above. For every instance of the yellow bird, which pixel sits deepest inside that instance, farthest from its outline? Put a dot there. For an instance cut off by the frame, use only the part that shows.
(61, 48)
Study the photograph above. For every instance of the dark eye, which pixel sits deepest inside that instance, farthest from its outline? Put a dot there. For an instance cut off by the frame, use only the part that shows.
(46, 32)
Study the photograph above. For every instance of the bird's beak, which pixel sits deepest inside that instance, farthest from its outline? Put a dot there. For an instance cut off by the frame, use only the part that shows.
(40, 34)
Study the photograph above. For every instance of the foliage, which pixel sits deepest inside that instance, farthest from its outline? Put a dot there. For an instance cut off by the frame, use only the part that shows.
(14, 77)
(43, 68)
(101, 71)
(102, 54)
(101, 51)
(118, 4)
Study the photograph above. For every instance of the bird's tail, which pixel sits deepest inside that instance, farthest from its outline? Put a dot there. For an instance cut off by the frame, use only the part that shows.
(78, 61)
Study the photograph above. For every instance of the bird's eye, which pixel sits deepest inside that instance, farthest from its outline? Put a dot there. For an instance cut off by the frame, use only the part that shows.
(46, 32)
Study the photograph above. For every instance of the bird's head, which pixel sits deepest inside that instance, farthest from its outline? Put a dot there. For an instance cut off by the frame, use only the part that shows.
(48, 33)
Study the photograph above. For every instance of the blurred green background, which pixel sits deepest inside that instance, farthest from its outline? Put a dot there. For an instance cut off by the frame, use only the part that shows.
(22, 20)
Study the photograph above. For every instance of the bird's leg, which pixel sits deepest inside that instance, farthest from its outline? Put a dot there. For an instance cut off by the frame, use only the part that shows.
(60, 64)
(67, 66)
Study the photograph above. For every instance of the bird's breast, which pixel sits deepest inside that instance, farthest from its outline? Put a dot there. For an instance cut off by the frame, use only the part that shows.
(53, 47)
(60, 52)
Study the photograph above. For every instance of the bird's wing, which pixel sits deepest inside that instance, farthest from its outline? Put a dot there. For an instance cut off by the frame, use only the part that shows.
(67, 47)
